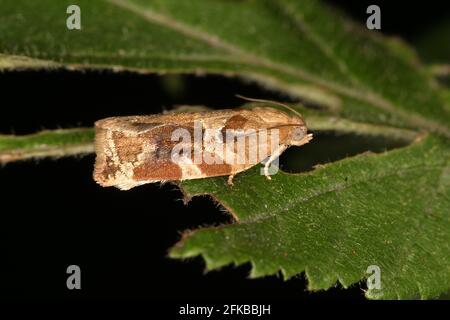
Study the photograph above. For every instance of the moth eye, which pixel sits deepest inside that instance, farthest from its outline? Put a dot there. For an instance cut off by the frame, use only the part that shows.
(298, 134)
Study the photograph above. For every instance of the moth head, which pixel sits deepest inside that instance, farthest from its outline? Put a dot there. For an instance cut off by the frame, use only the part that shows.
(298, 135)
(294, 128)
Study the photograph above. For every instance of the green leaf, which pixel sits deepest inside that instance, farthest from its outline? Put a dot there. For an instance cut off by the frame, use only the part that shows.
(49, 143)
(389, 210)
(301, 48)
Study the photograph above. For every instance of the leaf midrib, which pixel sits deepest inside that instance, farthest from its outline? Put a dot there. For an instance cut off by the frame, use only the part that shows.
(296, 201)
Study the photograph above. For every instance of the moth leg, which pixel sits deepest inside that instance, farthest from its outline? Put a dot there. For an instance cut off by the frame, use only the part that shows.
(272, 158)
(230, 179)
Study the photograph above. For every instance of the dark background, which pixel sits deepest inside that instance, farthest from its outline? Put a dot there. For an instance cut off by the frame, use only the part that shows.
(54, 215)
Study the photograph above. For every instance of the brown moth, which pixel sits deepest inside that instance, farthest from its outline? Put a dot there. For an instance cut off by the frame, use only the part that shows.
(136, 150)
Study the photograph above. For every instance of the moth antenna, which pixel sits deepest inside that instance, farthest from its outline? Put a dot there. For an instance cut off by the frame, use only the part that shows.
(274, 127)
(272, 102)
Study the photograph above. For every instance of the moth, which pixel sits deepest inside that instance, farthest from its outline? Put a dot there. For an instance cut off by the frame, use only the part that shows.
(135, 150)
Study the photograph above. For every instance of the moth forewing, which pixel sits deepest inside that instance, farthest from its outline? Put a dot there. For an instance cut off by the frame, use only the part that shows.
(135, 150)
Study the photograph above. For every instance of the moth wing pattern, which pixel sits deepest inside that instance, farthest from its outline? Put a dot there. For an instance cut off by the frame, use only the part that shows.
(135, 150)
